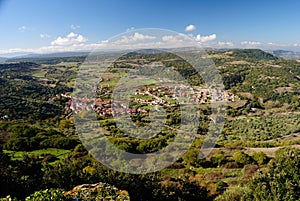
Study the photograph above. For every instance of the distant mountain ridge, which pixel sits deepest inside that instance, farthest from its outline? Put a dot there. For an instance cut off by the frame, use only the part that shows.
(285, 54)
(253, 53)
(52, 58)
(52, 55)
(242, 53)
(3, 59)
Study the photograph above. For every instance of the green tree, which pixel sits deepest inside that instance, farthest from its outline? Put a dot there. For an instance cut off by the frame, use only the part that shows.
(281, 181)
(242, 158)
(218, 159)
(260, 158)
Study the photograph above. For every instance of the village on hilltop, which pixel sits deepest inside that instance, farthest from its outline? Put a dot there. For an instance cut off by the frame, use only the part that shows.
(150, 96)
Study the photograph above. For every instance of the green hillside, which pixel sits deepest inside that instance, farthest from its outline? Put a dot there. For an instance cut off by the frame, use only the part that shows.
(40, 147)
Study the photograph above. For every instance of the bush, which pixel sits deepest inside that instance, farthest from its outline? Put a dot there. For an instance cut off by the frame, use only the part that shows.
(242, 158)
(59, 142)
(260, 158)
(48, 158)
(231, 165)
(218, 159)
(47, 195)
(235, 193)
(281, 181)
(8, 198)
(191, 158)
(79, 148)
(221, 186)
(214, 176)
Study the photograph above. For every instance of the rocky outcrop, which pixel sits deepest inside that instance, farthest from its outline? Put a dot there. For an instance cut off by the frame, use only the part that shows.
(97, 192)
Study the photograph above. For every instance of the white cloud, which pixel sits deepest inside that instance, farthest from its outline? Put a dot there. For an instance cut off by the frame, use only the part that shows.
(169, 38)
(176, 39)
(16, 50)
(282, 45)
(104, 41)
(74, 26)
(71, 35)
(225, 44)
(71, 38)
(23, 28)
(134, 38)
(190, 27)
(252, 43)
(204, 39)
(45, 36)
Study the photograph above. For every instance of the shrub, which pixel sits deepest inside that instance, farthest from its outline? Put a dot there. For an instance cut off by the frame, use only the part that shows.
(221, 186)
(281, 181)
(8, 198)
(235, 193)
(48, 158)
(214, 176)
(59, 142)
(231, 165)
(191, 158)
(47, 195)
(242, 158)
(218, 159)
(260, 158)
(79, 148)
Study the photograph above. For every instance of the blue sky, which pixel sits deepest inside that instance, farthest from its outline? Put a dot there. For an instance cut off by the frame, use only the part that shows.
(29, 25)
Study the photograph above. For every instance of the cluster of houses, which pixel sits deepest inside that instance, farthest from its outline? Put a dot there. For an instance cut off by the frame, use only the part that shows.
(103, 107)
(102, 89)
(157, 95)
(162, 94)
(206, 95)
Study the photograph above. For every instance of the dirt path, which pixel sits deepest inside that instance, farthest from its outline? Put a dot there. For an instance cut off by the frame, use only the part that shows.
(268, 151)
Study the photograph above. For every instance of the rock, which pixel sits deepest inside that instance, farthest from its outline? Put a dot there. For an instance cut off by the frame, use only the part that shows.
(96, 192)
(249, 170)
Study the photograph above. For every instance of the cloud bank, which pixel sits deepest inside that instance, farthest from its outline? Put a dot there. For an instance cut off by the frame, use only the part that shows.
(71, 38)
(204, 39)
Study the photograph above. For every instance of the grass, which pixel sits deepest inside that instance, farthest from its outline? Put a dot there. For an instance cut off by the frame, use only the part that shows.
(234, 173)
(174, 173)
(71, 83)
(59, 153)
(207, 170)
(39, 75)
(67, 64)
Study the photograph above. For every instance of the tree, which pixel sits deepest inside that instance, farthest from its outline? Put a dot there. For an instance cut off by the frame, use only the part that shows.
(260, 158)
(218, 159)
(20, 178)
(7, 174)
(242, 158)
(281, 181)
